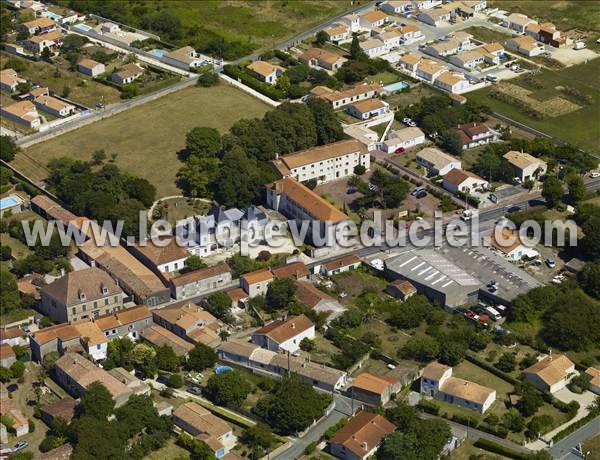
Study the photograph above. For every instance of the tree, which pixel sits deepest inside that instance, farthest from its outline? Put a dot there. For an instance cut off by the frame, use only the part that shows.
(531, 399)
(280, 294)
(8, 148)
(355, 49)
(513, 421)
(143, 356)
(197, 173)
(97, 402)
(402, 415)
(194, 263)
(284, 84)
(451, 142)
(166, 359)
(228, 389)
(258, 436)
(208, 79)
(98, 439)
(73, 42)
(175, 381)
(203, 142)
(589, 279)
(359, 170)
(306, 344)
(577, 190)
(421, 348)
(424, 442)
(329, 128)
(98, 156)
(201, 357)
(49, 360)
(321, 38)
(17, 369)
(412, 312)
(507, 362)
(539, 425)
(219, 304)
(552, 191)
(198, 449)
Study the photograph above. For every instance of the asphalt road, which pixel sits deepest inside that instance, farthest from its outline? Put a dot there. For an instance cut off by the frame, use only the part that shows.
(565, 448)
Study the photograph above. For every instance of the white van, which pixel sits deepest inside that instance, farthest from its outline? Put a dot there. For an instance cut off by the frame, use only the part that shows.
(493, 313)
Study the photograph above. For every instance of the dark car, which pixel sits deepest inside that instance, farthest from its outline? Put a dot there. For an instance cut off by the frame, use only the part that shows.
(140, 375)
(514, 209)
(421, 194)
(162, 379)
(533, 203)
(12, 387)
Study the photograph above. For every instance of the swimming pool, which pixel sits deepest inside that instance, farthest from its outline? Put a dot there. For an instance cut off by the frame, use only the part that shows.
(83, 27)
(398, 86)
(222, 369)
(53, 16)
(158, 52)
(8, 202)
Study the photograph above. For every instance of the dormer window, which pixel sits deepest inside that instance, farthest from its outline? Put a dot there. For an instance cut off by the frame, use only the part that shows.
(82, 295)
(104, 290)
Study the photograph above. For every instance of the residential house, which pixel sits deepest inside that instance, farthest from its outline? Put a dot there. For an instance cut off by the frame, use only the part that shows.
(453, 82)
(324, 163)
(75, 373)
(256, 283)
(14, 48)
(92, 340)
(551, 373)
(430, 70)
(128, 322)
(391, 39)
(338, 33)
(550, 35)
(356, 93)
(396, 6)
(518, 22)
(190, 322)
(594, 375)
(475, 133)
(468, 59)
(525, 45)
(360, 437)
(476, 5)
(23, 112)
(458, 180)
(526, 166)
(159, 336)
(202, 424)
(318, 57)
(7, 355)
(200, 281)
(81, 294)
(364, 135)
(443, 48)
(284, 334)
(401, 289)
(508, 243)
(128, 379)
(426, 4)
(9, 80)
(37, 26)
(13, 336)
(265, 71)
(493, 53)
(54, 106)
(127, 74)
(341, 265)
(352, 21)
(373, 47)
(294, 270)
(462, 38)
(62, 408)
(91, 67)
(410, 34)
(437, 381)
(437, 162)
(373, 19)
(434, 17)
(161, 255)
(38, 92)
(369, 108)
(185, 58)
(238, 297)
(109, 28)
(50, 40)
(374, 390)
(20, 424)
(317, 300)
(409, 62)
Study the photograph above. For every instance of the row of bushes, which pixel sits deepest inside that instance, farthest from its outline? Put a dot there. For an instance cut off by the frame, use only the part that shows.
(494, 370)
(576, 425)
(429, 406)
(496, 448)
(264, 88)
(472, 200)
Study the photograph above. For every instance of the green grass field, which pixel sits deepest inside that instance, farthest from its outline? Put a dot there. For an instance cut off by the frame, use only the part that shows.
(580, 127)
(148, 137)
(487, 35)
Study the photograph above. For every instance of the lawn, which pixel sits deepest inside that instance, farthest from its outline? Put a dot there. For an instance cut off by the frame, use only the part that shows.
(467, 451)
(411, 96)
(148, 137)
(487, 35)
(593, 447)
(170, 450)
(579, 127)
(83, 89)
(385, 78)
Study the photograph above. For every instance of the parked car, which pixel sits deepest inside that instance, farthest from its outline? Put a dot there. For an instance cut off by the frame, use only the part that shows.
(595, 174)
(400, 150)
(12, 387)
(162, 379)
(493, 198)
(140, 375)
(412, 124)
(195, 390)
(514, 209)
(417, 190)
(421, 194)
(20, 446)
(419, 219)
(550, 262)
(491, 78)
(351, 190)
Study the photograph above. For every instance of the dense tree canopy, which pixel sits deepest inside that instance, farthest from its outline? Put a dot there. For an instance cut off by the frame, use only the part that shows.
(280, 294)
(97, 402)
(201, 357)
(228, 389)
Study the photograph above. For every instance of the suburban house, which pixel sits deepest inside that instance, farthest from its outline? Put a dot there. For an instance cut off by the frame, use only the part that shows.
(476, 133)
(128, 322)
(9, 80)
(525, 165)
(492, 52)
(468, 59)
(317, 57)
(81, 294)
(238, 297)
(252, 356)
(50, 40)
(444, 48)
(369, 108)
(54, 106)
(256, 282)
(437, 381)
(20, 421)
(23, 112)
(74, 373)
(127, 74)
(265, 71)
(37, 92)
(12, 336)
(92, 340)
(352, 21)
(64, 408)
(360, 438)
(204, 425)
(128, 379)
(391, 38)
(109, 28)
(373, 47)
(434, 17)
(284, 334)
(550, 35)
(294, 270)
(185, 58)
(323, 163)
(525, 45)
(375, 390)
(200, 281)
(410, 33)
(425, 4)
(341, 265)
(437, 162)
(510, 245)
(190, 322)
(373, 19)
(459, 180)
(317, 300)
(453, 82)
(356, 93)
(91, 67)
(159, 336)
(518, 22)
(364, 135)
(161, 255)
(37, 26)
(338, 33)
(551, 373)
(429, 70)
(401, 289)
(594, 379)
(409, 62)
(14, 48)
(7, 355)
(396, 6)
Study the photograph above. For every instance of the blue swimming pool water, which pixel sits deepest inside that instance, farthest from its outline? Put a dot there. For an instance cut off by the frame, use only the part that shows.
(7, 202)
(158, 53)
(399, 85)
(222, 369)
(53, 16)
(83, 27)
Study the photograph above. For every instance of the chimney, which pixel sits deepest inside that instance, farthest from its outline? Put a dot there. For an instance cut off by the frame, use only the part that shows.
(364, 445)
(293, 326)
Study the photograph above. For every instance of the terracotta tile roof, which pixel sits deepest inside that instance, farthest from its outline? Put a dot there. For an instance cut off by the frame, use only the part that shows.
(7, 333)
(351, 92)
(10, 77)
(185, 316)
(404, 286)
(304, 368)
(60, 331)
(321, 55)
(88, 63)
(322, 152)
(167, 251)
(91, 332)
(408, 134)
(410, 59)
(434, 370)
(202, 419)
(408, 28)
(363, 433)
(341, 262)
(258, 276)
(39, 22)
(595, 374)
(49, 36)
(430, 67)
(158, 336)
(373, 383)
(521, 160)
(262, 68)
(466, 390)
(493, 47)
(236, 294)
(435, 156)
(336, 29)
(63, 408)
(374, 16)
(89, 282)
(237, 347)
(552, 369)
(309, 294)
(63, 452)
(52, 102)
(41, 91)
(309, 200)
(201, 274)
(294, 270)
(6, 351)
(458, 176)
(368, 105)
(52, 209)
(123, 317)
(22, 109)
(283, 330)
(129, 70)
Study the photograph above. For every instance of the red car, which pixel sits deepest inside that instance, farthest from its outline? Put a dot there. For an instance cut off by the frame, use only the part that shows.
(400, 150)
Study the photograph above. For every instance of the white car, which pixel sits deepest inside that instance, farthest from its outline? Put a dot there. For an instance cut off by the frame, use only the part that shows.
(419, 219)
(595, 174)
(412, 124)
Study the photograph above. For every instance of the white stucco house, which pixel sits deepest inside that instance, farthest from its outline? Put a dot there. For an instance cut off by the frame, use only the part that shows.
(285, 334)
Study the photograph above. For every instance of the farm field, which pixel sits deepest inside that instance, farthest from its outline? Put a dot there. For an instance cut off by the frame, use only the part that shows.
(579, 127)
(147, 138)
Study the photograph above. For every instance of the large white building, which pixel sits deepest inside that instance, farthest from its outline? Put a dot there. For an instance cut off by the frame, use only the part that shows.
(550, 374)
(324, 163)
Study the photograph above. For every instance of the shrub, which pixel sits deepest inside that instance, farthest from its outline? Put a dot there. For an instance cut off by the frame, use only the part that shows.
(430, 407)
(248, 80)
(175, 381)
(491, 446)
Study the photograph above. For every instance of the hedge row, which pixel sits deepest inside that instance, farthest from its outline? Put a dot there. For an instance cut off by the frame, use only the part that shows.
(429, 406)
(496, 448)
(488, 367)
(575, 426)
(257, 85)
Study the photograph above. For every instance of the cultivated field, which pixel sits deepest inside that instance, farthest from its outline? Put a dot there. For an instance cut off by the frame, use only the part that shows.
(147, 138)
